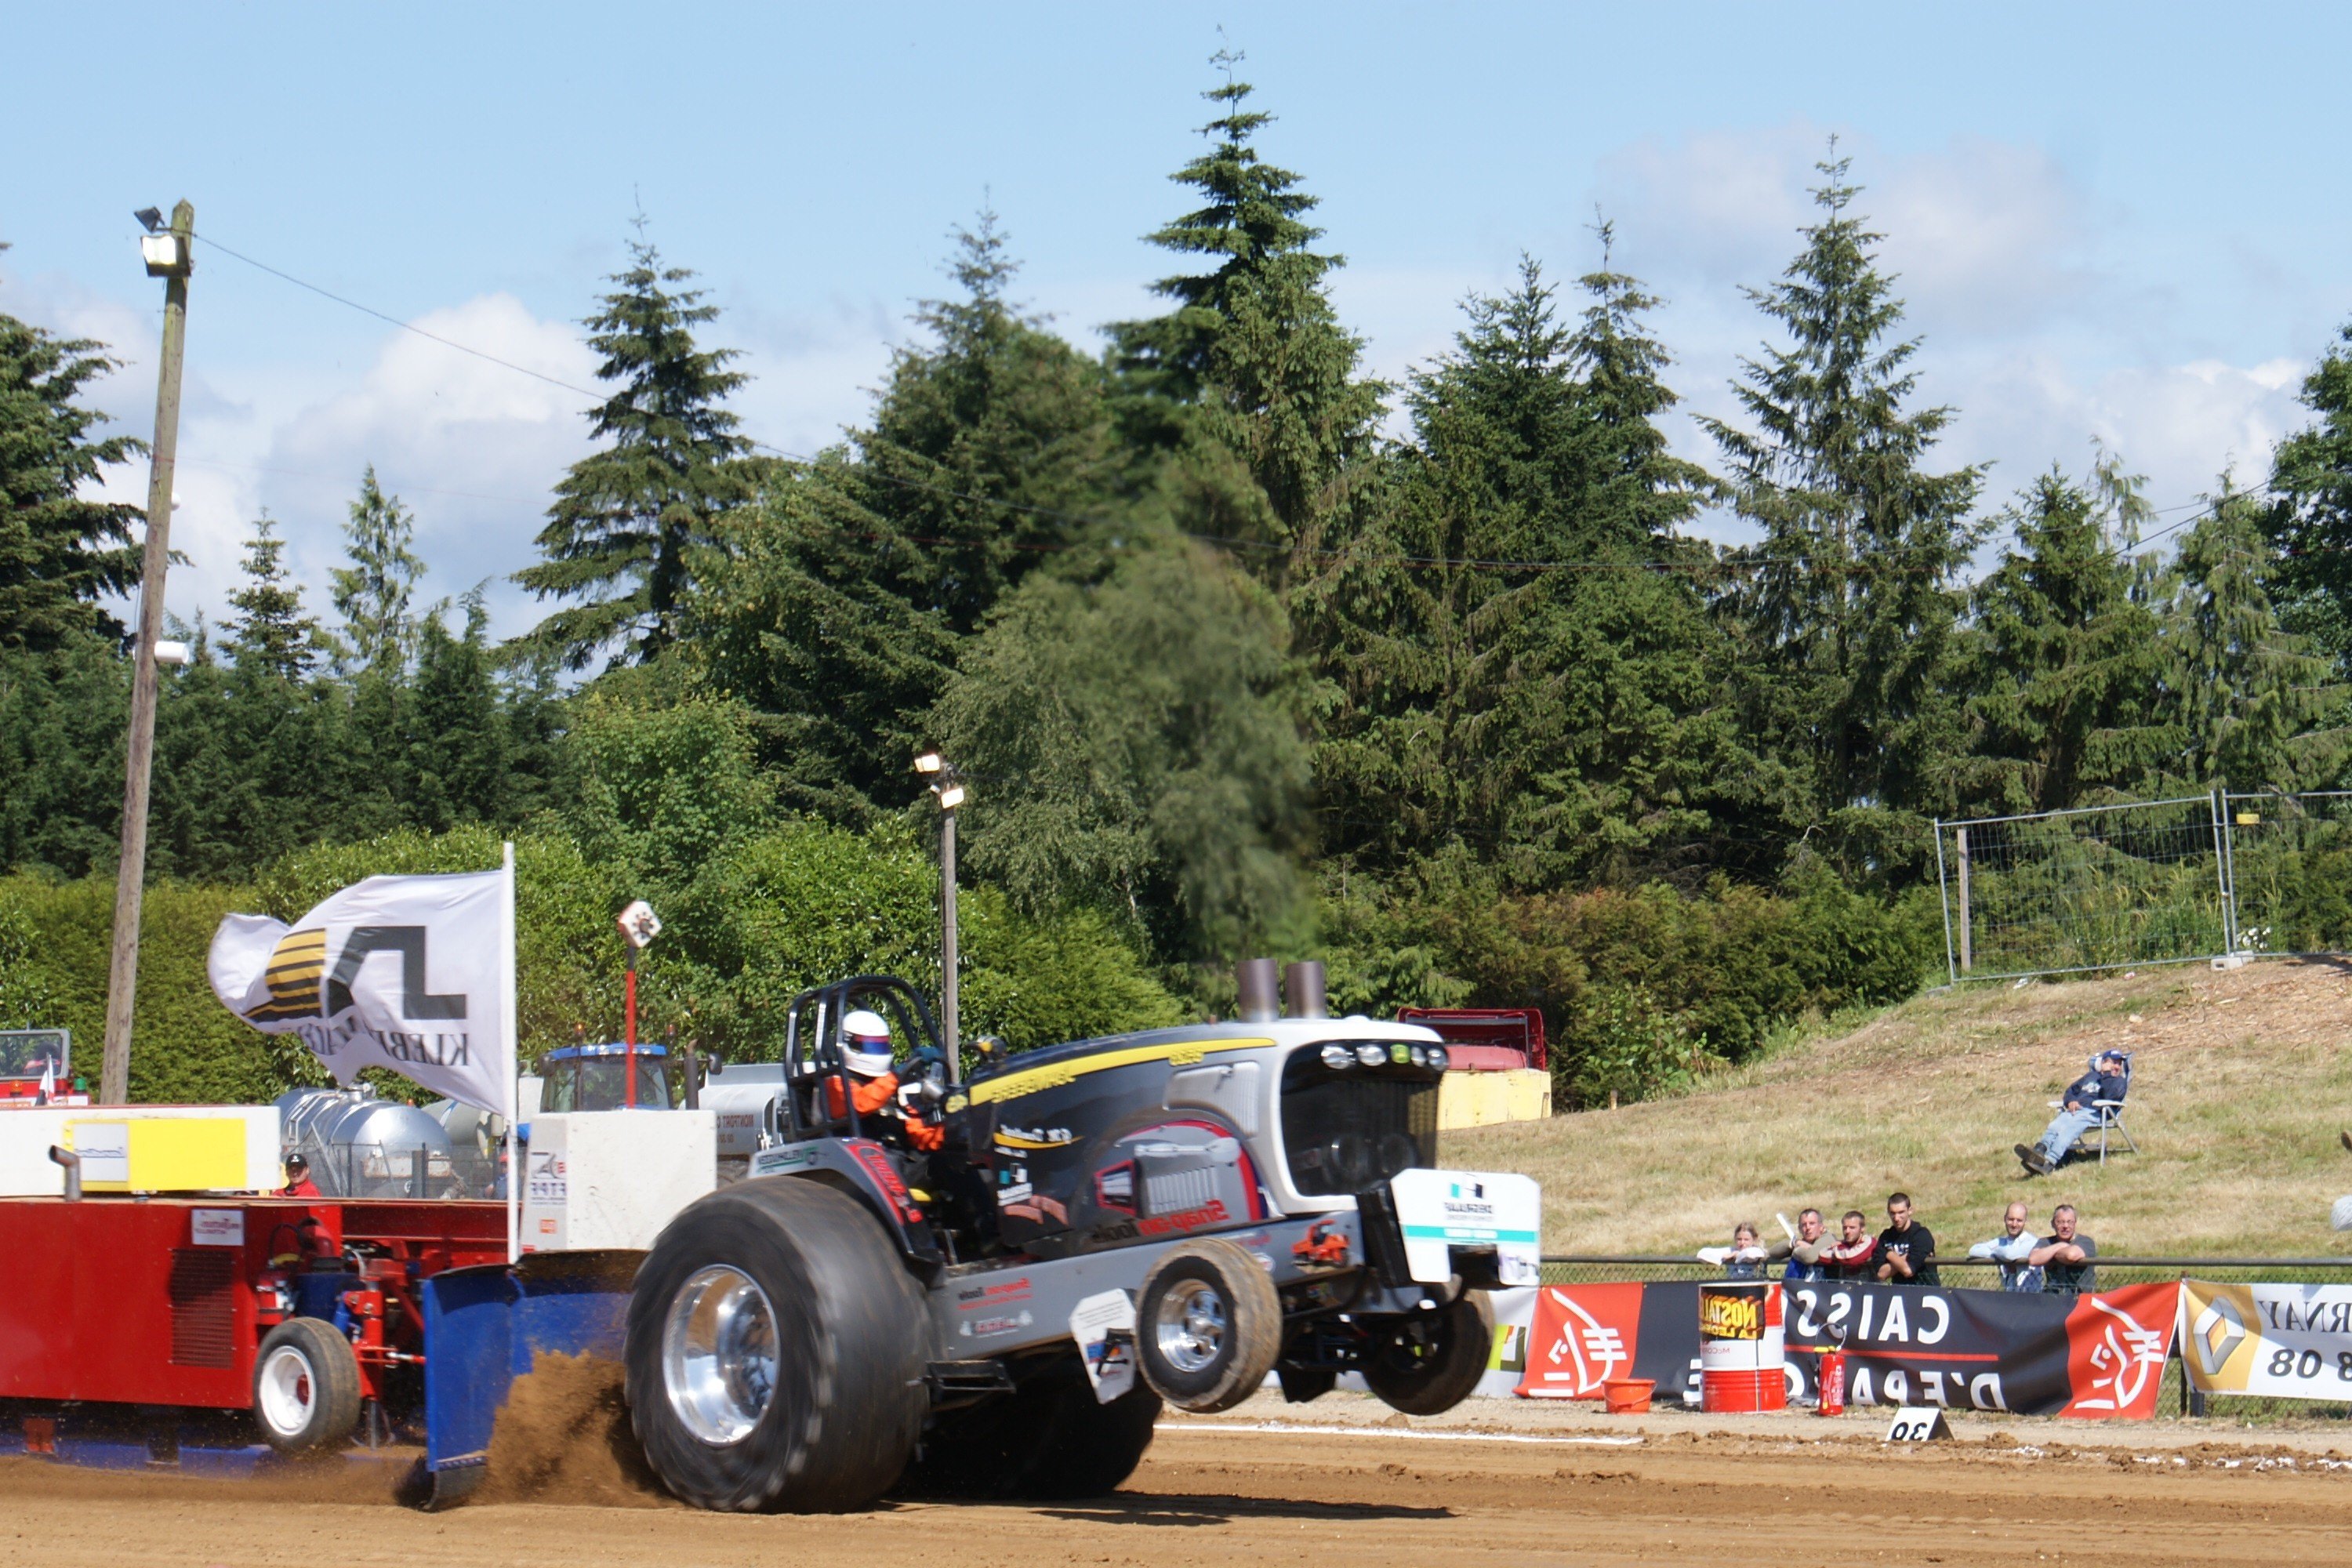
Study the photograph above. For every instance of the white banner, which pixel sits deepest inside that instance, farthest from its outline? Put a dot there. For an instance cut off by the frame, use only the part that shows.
(405, 972)
(2285, 1342)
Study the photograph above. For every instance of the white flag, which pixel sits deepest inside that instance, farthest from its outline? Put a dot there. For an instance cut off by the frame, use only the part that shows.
(405, 972)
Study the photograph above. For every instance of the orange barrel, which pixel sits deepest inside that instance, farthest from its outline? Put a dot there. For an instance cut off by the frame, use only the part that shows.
(1739, 1346)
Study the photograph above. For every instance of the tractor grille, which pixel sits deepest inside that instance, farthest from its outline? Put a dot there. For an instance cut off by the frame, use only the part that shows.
(204, 1306)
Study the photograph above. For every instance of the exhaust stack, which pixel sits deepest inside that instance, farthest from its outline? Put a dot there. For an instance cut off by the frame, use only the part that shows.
(1259, 1001)
(1302, 990)
(72, 1163)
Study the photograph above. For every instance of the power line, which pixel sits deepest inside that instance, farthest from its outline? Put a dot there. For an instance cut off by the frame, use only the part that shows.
(1727, 559)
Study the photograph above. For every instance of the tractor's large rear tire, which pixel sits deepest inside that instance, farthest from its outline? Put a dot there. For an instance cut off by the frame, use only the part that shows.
(775, 1352)
(1428, 1362)
(1048, 1441)
(1208, 1325)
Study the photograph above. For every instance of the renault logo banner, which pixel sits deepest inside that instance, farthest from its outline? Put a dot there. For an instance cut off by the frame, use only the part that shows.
(404, 972)
(2283, 1342)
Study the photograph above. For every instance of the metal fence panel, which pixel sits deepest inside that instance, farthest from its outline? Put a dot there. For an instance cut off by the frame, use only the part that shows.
(2288, 862)
(2098, 887)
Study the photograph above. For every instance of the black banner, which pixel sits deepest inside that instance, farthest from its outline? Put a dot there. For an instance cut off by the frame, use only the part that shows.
(1963, 1350)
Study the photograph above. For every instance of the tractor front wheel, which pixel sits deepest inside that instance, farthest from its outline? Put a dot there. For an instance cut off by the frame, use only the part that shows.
(1208, 1325)
(306, 1388)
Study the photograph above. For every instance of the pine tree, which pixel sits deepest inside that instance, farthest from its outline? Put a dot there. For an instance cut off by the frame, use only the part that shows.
(2249, 692)
(271, 634)
(458, 753)
(1554, 721)
(373, 593)
(1249, 377)
(2064, 653)
(1851, 608)
(264, 734)
(2311, 520)
(629, 521)
(849, 590)
(60, 552)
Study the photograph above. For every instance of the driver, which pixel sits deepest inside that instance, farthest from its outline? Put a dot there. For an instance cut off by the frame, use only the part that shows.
(873, 1088)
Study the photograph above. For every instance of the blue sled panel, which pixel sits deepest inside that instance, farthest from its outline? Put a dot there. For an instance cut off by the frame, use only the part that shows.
(485, 1326)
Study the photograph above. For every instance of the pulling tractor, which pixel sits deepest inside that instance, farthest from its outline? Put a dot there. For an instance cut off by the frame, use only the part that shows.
(1110, 1226)
(988, 1287)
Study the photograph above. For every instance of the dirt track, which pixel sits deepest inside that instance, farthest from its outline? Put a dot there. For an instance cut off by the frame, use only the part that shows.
(1226, 1493)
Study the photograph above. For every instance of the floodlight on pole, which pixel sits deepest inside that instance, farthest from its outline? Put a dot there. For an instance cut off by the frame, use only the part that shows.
(639, 925)
(948, 785)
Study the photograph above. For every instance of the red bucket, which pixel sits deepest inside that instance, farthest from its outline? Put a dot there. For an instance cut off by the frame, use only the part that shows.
(1627, 1395)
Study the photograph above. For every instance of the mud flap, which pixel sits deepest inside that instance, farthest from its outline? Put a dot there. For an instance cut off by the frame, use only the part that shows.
(484, 1327)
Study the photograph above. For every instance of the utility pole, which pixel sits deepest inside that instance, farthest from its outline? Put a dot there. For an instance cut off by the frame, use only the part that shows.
(168, 257)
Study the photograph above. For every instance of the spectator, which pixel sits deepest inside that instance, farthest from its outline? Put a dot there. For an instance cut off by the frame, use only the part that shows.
(1906, 1249)
(1743, 1259)
(2065, 1259)
(1802, 1251)
(2010, 1249)
(2077, 1112)
(1855, 1253)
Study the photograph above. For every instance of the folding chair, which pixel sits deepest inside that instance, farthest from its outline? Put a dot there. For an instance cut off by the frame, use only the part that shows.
(2111, 1113)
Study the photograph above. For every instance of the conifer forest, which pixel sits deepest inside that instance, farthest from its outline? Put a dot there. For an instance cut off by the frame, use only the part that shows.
(1241, 649)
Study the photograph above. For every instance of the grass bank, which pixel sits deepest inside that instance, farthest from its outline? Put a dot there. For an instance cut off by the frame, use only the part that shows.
(2243, 1083)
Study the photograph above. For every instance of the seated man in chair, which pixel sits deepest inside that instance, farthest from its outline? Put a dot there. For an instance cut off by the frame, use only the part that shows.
(2078, 1111)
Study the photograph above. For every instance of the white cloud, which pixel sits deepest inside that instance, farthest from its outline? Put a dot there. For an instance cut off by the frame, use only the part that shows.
(2039, 331)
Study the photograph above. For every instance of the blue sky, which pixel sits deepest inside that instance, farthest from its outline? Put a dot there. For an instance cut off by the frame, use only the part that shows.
(2133, 222)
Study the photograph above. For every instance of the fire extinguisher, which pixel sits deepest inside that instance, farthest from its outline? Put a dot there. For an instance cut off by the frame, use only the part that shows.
(1833, 1383)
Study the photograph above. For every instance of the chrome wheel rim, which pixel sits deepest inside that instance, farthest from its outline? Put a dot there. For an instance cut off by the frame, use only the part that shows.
(286, 1390)
(719, 1354)
(1192, 1326)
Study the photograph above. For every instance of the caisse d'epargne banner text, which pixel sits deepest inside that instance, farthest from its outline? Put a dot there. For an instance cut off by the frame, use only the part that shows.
(2283, 1342)
(2092, 1356)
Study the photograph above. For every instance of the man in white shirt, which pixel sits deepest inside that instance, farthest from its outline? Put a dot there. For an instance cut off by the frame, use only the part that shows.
(2011, 1249)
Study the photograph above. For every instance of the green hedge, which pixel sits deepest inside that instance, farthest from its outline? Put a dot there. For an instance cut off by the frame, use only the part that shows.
(784, 910)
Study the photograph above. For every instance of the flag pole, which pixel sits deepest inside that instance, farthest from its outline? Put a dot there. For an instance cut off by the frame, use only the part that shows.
(514, 1049)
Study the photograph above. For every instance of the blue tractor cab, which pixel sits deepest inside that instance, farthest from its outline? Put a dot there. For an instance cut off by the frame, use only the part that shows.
(595, 1078)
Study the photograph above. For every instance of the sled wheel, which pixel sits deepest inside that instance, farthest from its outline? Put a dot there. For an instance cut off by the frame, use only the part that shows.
(1207, 1325)
(1429, 1362)
(774, 1351)
(306, 1388)
(1048, 1441)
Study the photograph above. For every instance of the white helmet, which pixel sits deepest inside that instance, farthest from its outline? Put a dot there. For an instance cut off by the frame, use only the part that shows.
(866, 1043)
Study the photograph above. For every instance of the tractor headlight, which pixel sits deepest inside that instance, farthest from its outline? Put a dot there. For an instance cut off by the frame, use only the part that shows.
(1371, 1055)
(1437, 1058)
(1420, 1056)
(1338, 1057)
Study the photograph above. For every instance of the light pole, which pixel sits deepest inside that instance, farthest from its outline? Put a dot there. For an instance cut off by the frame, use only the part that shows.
(166, 252)
(948, 785)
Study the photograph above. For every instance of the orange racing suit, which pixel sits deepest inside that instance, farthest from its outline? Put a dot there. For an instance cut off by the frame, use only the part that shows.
(878, 1097)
